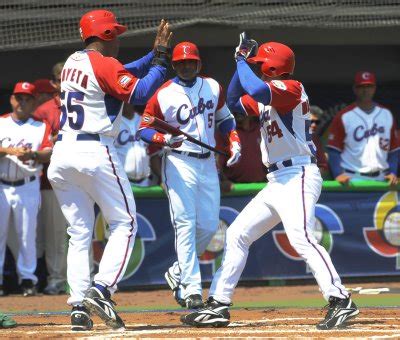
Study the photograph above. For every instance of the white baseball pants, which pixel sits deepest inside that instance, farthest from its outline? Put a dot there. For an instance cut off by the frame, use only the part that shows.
(194, 199)
(82, 173)
(52, 237)
(290, 197)
(20, 204)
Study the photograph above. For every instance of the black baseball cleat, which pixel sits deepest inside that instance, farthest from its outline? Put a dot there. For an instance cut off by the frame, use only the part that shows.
(173, 283)
(194, 301)
(215, 314)
(28, 288)
(103, 307)
(339, 311)
(80, 319)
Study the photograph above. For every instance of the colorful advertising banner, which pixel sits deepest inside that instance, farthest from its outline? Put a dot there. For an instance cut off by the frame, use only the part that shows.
(360, 229)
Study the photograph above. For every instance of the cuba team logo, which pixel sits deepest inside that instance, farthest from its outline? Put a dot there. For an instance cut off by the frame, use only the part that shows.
(144, 234)
(213, 254)
(384, 237)
(327, 222)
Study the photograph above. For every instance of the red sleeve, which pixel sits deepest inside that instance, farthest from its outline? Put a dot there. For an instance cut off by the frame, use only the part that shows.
(337, 133)
(394, 137)
(221, 98)
(153, 109)
(112, 76)
(285, 95)
(249, 105)
(47, 140)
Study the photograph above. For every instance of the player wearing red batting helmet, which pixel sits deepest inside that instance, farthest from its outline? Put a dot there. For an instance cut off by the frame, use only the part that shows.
(102, 24)
(186, 60)
(294, 180)
(275, 58)
(98, 84)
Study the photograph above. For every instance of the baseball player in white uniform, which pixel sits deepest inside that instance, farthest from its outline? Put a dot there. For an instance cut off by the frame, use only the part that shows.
(196, 105)
(294, 183)
(24, 144)
(363, 143)
(85, 168)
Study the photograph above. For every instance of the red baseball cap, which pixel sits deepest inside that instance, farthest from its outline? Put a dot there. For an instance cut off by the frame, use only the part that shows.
(44, 86)
(364, 78)
(24, 87)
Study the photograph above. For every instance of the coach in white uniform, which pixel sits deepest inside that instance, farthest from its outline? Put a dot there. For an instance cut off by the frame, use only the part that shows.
(85, 168)
(294, 184)
(196, 105)
(24, 144)
(363, 142)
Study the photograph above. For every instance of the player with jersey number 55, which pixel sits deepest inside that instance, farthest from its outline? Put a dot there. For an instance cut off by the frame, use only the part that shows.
(85, 168)
(24, 145)
(294, 183)
(196, 105)
(363, 143)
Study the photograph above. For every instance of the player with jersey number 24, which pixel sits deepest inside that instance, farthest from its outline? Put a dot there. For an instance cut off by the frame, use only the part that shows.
(85, 168)
(293, 189)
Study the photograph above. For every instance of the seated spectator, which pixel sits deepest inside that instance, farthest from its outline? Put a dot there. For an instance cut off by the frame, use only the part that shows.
(52, 225)
(322, 162)
(363, 144)
(250, 168)
(25, 144)
(132, 151)
(45, 90)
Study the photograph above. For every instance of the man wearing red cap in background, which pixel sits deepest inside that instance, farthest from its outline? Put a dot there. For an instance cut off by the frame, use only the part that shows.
(44, 90)
(363, 143)
(24, 145)
(52, 232)
(197, 106)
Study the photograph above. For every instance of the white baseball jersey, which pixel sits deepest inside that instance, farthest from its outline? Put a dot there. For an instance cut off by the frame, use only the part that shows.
(92, 90)
(285, 122)
(31, 134)
(132, 151)
(364, 139)
(194, 110)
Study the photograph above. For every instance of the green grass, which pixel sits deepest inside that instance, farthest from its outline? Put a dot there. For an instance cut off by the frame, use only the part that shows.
(382, 300)
(360, 300)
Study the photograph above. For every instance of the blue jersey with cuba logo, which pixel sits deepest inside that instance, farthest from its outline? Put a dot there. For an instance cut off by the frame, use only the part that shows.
(364, 139)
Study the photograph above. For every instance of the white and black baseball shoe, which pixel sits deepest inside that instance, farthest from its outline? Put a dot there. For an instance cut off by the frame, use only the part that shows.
(215, 314)
(80, 319)
(339, 311)
(103, 306)
(194, 301)
(174, 283)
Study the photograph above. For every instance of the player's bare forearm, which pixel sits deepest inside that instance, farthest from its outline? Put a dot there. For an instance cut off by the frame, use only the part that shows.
(43, 156)
(11, 151)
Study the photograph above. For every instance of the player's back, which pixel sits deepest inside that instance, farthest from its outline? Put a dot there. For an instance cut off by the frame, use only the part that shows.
(86, 108)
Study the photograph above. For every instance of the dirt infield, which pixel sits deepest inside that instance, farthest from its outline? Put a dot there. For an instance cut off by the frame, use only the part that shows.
(48, 317)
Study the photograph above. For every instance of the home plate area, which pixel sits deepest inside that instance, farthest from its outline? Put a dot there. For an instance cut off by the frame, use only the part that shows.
(372, 322)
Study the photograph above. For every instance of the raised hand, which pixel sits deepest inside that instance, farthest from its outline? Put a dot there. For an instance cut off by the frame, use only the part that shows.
(164, 35)
(247, 47)
(162, 45)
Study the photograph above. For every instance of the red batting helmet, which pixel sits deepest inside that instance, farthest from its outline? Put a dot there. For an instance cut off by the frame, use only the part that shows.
(276, 59)
(185, 50)
(100, 23)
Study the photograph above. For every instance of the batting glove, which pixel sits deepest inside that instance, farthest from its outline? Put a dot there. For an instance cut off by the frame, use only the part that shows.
(173, 141)
(235, 148)
(247, 47)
